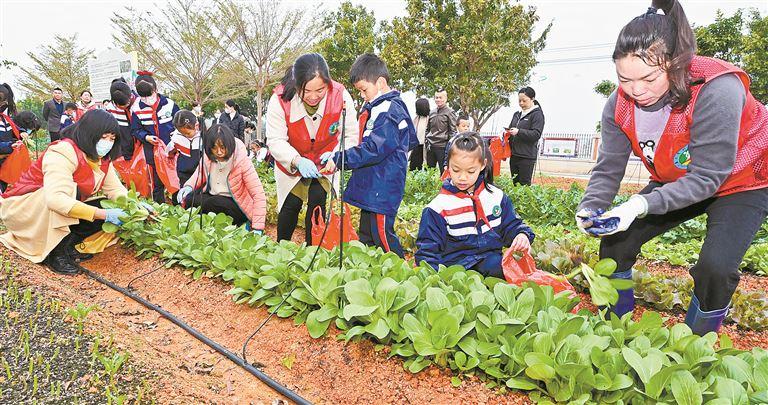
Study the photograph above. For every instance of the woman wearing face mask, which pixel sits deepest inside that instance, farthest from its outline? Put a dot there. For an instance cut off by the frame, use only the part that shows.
(304, 118)
(709, 155)
(230, 184)
(85, 104)
(233, 119)
(152, 122)
(51, 209)
(524, 132)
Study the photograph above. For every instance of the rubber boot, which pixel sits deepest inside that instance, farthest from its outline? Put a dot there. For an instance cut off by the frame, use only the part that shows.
(626, 302)
(60, 261)
(703, 322)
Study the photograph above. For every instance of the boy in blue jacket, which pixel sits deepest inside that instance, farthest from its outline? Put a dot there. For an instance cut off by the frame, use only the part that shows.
(380, 162)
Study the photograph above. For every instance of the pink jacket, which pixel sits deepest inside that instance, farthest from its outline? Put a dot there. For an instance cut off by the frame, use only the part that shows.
(244, 184)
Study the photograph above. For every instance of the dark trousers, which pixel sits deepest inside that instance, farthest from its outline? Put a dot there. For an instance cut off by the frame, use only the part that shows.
(490, 266)
(416, 160)
(379, 230)
(732, 222)
(521, 170)
(54, 136)
(183, 177)
(80, 231)
(436, 157)
(216, 204)
(289, 213)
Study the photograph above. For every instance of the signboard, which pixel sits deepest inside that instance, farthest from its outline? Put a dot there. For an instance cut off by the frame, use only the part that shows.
(559, 147)
(110, 65)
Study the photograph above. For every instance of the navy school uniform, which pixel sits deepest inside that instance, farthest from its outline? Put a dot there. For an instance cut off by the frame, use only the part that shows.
(155, 120)
(469, 229)
(7, 139)
(379, 165)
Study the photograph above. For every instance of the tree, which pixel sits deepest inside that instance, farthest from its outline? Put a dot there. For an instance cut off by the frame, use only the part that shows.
(266, 37)
(351, 33)
(180, 45)
(741, 41)
(61, 64)
(480, 51)
(605, 88)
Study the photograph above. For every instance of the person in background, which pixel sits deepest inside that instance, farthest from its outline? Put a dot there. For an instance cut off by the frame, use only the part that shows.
(462, 125)
(440, 128)
(85, 104)
(121, 107)
(197, 109)
(151, 122)
(525, 131)
(68, 118)
(416, 160)
(709, 157)
(379, 163)
(10, 135)
(233, 119)
(185, 142)
(52, 112)
(471, 220)
(230, 185)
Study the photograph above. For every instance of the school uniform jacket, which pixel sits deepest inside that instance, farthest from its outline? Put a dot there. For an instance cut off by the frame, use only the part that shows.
(457, 228)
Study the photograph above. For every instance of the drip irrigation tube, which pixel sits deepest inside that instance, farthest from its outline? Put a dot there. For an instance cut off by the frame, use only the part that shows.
(281, 389)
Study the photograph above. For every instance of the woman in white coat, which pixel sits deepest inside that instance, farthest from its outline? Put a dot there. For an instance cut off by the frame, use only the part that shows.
(304, 118)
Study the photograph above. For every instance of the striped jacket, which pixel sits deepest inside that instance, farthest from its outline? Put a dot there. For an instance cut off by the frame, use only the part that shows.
(153, 120)
(189, 153)
(459, 228)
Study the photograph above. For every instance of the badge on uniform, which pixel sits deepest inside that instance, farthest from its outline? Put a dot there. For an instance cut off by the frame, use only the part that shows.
(334, 128)
(369, 125)
(496, 211)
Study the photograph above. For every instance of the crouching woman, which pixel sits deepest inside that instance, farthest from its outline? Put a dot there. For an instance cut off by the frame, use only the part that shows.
(226, 182)
(52, 207)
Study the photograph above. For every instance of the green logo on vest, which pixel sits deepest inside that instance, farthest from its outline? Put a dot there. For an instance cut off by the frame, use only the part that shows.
(334, 128)
(682, 158)
(496, 211)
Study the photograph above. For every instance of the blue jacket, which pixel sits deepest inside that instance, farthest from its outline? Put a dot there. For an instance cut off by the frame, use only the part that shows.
(7, 138)
(452, 229)
(379, 164)
(142, 123)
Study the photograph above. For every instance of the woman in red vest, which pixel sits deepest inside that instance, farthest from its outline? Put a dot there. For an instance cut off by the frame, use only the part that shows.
(304, 119)
(704, 139)
(51, 209)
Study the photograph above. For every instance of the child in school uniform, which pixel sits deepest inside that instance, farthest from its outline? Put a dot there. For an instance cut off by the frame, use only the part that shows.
(68, 118)
(185, 142)
(471, 220)
(123, 102)
(380, 162)
(151, 123)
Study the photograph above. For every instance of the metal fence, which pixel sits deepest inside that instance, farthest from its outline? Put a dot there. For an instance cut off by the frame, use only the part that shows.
(586, 144)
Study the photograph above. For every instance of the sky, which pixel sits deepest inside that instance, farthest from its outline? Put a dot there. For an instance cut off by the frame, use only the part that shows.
(576, 57)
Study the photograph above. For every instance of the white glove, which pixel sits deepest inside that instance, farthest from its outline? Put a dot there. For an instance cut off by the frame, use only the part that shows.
(183, 194)
(584, 219)
(635, 207)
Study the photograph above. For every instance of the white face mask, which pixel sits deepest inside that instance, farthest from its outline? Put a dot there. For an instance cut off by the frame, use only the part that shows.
(149, 100)
(103, 146)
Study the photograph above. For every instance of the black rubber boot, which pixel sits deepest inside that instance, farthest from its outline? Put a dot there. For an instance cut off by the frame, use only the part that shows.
(60, 261)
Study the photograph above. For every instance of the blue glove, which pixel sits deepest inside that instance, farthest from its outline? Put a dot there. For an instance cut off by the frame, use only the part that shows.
(147, 206)
(325, 156)
(621, 217)
(113, 216)
(258, 232)
(307, 168)
(183, 193)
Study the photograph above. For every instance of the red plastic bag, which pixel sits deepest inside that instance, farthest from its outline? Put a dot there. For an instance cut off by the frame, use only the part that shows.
(331, 239)
(15, 164)
(500, 150)
(166, 167)
(135, 172)
(520, 271)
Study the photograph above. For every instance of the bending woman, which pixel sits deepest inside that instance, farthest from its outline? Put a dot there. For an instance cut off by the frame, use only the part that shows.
(704, 139)
(52, 207)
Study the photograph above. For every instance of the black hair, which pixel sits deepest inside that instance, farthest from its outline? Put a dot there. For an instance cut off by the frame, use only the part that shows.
(250, 125)
(70, 106)
(7, 102)
(305, 68)
(27, 120)
(531, 93)
(233, 104)
(120, 93)
(195, 104)
(87, 131)
(660, 40)
(422, 107)
(471, 141)
(223, 133)
(119, 79)
(57, 88)
(368, 67)
(86, 91)
(463, 116)
(145, 84)
(184, 119)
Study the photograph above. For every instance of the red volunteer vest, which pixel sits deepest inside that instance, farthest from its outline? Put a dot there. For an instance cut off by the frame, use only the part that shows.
(671, 157)
(32, 179)
(327, 136)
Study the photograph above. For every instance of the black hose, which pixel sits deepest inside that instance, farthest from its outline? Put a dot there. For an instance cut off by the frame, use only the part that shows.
(279, 388)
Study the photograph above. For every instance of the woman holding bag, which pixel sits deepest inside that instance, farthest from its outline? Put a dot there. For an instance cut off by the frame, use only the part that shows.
(304, 118)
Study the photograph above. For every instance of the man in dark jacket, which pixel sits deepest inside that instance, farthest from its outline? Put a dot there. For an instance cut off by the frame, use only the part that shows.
(525, 131)
(52, 110)
(233, 119)
(440, 128)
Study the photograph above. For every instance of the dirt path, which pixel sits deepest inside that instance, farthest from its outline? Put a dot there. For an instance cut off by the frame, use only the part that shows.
(324, 370)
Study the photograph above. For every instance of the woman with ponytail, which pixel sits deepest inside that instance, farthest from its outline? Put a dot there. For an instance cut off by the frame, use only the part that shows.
(233, 119)
(704, 139)
(524, 133)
